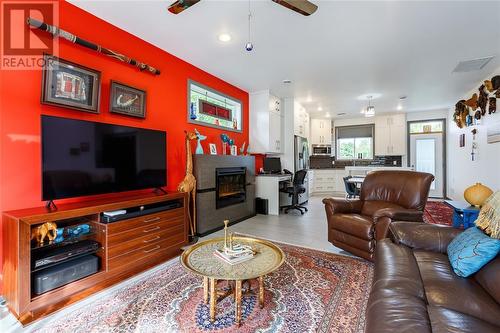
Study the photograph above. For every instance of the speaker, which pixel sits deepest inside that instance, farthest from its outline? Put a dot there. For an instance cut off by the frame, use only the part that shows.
(262, 206)
(64, 273)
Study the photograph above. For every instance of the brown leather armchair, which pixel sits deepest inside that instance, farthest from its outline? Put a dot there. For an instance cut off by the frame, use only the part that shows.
(386, 196)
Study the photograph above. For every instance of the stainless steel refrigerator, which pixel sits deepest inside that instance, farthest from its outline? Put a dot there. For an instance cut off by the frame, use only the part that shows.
(301, 159)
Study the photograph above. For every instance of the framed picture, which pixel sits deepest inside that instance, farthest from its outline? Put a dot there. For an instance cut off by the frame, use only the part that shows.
(462, 140)
(127, 100)
(70, 85)
(213, 148)
(234, 150)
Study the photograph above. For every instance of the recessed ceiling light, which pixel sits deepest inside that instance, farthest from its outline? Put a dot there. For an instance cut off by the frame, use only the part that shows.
(400, 107)
(287, 81)
(224, 37)
(327, 115)
(402, 97)
(320, 108)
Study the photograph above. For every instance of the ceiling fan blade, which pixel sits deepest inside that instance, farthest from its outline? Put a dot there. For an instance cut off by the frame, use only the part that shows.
(180, 5)
(303, 7)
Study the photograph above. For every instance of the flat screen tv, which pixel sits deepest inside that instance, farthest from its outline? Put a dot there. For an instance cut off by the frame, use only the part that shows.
(85, 158)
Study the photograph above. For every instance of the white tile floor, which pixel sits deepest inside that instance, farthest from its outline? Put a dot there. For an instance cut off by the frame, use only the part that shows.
(308, 230)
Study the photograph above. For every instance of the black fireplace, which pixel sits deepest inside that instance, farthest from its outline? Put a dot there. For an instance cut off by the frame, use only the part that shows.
(230, 186)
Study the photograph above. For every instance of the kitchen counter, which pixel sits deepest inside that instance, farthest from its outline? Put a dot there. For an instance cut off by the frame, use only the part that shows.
(363, 170)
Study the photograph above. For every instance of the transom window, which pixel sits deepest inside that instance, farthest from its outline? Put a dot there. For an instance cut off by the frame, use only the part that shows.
(354, 142)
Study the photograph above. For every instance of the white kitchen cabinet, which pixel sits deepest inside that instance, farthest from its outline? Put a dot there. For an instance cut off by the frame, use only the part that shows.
(321, 131)
(328, 180)
(301, 121)
(265, 123)
(390, 135)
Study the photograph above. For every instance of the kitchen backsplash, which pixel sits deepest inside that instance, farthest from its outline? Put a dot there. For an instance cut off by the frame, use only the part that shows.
(325, 162)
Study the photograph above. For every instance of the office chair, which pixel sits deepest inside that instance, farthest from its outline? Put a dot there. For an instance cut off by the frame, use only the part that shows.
(350, 188)
(294, 191)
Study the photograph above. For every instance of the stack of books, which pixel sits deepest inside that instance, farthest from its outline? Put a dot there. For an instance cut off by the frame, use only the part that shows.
(233, 259)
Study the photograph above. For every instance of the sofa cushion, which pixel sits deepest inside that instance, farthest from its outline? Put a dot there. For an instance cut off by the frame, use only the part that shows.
(397, 270)
(370, 207)
(354, 224)
(471, 250)
(446, 289)
(446, 320)
(488, 277)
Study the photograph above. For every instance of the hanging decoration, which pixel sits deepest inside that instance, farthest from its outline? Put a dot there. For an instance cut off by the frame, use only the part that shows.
(469, 112)
(57, 32)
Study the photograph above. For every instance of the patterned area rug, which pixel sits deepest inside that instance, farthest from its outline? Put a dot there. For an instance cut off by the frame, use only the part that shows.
(437, 212)
(312, 291)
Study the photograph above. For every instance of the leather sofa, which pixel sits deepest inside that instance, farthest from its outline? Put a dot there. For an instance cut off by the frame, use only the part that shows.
(415, 289)
(356, 225)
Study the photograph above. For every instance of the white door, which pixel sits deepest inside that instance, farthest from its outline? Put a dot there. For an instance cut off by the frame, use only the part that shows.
(426, 155)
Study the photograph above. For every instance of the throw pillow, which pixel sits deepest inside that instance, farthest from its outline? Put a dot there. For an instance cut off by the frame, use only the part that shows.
(471, 250)
(489, 216)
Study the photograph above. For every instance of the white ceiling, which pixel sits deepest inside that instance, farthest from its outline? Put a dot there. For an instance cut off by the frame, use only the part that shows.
(344, 50)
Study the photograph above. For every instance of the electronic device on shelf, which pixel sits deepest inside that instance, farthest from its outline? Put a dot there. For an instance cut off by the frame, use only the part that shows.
(64, 273)
(142, 210)
(97, 158)
(44, 258)
(272, 165)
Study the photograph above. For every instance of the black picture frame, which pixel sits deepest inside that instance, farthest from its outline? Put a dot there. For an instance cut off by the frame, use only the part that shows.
(70, 85)
(122, 93)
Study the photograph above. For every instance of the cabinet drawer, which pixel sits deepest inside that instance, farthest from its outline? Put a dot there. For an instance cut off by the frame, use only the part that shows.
(125, 225)
(142, 240)
(140, 255)
(144, 230)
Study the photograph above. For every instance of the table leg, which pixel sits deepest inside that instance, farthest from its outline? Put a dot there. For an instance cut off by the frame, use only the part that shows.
(205, 289)
(213, 297)
(261, 291)
(238, 302)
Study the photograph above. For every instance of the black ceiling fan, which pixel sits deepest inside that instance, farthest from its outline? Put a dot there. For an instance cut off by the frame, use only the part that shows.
(303, 7)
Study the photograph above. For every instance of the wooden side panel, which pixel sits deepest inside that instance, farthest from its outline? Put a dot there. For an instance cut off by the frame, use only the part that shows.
(11, 262)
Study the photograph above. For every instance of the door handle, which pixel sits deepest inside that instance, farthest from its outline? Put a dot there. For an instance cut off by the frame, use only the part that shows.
(151, 240)
(153, 249)
(152, 229)
(152, 220)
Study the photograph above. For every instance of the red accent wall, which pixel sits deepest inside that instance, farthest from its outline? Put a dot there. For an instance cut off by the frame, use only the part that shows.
(20, 164)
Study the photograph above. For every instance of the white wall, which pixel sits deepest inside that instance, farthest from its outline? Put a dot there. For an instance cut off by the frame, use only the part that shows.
(427, 115)
(287, 157)
(462, 171)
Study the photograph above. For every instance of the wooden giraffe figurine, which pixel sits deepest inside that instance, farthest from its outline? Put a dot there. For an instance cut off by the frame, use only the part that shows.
(188, 184)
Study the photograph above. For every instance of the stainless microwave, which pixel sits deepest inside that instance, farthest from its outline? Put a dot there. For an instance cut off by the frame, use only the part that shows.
(322, 150)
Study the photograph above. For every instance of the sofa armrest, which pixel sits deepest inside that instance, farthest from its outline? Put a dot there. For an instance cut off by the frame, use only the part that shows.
(342, 206)
(396, 214)
(422, 236)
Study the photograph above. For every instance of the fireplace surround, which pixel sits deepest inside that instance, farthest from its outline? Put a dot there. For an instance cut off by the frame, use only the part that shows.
(225, 189)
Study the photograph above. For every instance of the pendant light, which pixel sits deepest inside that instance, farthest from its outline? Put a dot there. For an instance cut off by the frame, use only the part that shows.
(370, 109)
(249, 45)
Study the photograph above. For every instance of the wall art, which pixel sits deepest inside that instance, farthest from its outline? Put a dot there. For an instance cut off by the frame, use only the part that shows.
(127, 100)
(70, 85)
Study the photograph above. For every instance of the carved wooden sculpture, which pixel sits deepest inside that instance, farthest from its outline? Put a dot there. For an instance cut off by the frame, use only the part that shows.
(48, 229)
(188, 184)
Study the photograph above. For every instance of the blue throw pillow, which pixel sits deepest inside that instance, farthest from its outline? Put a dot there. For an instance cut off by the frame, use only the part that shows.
(471, 250)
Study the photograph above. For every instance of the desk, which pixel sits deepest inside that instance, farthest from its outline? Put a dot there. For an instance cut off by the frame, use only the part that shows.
(268, 187)
(463, 213)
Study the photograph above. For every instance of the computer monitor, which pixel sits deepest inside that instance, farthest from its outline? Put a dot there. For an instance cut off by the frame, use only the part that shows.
(272, 165)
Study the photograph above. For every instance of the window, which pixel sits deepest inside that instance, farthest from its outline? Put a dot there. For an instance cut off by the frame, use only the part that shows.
(208, 107)
(354, 142)
(426, 127)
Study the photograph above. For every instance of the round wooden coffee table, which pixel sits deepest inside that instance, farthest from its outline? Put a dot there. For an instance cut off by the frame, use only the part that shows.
(200, 259)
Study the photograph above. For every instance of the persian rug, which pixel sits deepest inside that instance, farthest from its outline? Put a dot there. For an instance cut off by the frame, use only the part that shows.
(313, 291)
(437, 212)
